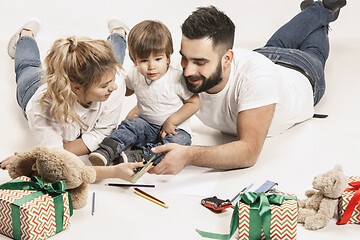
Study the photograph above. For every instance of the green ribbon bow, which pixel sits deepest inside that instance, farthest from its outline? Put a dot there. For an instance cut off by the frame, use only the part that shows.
(260, 215)
(54, 190)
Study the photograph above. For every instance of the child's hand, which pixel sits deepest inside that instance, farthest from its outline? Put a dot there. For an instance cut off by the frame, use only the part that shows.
(168, 128)
(125, 171)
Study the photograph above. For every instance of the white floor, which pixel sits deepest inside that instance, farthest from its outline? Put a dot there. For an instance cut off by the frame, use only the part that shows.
(291, 159)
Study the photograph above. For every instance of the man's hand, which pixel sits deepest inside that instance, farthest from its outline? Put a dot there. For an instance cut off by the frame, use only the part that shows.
(176, 158)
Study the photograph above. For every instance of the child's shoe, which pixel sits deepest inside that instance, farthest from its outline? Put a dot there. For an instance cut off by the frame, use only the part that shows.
(136, 156)
(115, 22)
(133, 156)
(105, 154)
(140, 156)
(32, 25)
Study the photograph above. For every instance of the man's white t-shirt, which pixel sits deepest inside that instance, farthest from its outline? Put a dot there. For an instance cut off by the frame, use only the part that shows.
(255, 82)
(157, 100)
(100, 117)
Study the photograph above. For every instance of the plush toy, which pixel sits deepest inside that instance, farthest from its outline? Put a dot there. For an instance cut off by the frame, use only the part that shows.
(321, 205)
(55, 165)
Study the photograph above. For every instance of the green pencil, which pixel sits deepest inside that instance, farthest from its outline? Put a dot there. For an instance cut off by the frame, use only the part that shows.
(143, 168)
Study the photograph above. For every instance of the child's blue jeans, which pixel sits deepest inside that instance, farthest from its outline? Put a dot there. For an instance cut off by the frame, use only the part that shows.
(139, 133)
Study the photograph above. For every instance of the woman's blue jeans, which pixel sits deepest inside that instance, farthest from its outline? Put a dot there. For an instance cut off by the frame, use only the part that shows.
(139, 133)
(28, 65)
(303, 44)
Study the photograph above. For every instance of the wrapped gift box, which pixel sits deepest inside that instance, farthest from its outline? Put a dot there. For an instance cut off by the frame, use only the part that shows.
(349, 204)
(283, 220)
(262, 216)
(40, 213)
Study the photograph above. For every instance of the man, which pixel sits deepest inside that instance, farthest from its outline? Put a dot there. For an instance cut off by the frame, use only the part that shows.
(250, 94)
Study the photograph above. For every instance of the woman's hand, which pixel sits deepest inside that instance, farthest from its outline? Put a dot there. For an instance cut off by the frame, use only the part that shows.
(5, 163)
(124, 171)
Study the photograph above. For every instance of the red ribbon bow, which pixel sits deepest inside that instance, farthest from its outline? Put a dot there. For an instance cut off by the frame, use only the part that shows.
(352, 204)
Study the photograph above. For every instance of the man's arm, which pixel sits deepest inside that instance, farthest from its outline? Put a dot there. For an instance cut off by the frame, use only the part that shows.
(252, 128)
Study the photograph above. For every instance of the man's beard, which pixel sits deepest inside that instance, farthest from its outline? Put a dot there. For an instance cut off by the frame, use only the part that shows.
(207, 83)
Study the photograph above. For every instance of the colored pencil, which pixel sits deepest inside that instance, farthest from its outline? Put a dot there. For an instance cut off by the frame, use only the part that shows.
(238, 194)
(93, 204)
(151, 199)
(147, 166)
(129, 185)
(236, 198)
(148, 195)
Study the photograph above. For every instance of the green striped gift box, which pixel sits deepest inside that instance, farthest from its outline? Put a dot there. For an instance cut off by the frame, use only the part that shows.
(283, 224)
(37, 216)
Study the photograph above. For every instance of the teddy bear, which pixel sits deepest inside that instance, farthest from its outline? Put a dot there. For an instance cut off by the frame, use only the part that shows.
(52, 164)
(321, 204)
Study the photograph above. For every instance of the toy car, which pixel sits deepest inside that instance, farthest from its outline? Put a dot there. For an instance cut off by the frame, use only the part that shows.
(215, 204)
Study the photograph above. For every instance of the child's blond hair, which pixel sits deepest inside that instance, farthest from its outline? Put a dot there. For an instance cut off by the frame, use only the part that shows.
(82, 61)
(149, 37)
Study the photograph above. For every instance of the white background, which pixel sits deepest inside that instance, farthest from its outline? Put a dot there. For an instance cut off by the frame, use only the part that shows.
(291, 159)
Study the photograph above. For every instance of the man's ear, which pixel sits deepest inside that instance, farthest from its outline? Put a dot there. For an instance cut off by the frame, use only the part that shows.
(227, 58)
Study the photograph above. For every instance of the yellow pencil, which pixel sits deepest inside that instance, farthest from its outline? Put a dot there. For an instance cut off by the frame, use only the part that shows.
(151, 199)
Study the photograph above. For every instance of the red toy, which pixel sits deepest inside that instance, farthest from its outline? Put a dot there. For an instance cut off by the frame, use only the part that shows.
(215, 204)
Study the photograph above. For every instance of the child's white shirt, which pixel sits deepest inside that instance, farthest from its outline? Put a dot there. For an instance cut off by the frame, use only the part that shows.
(159, 99)
(100, 117)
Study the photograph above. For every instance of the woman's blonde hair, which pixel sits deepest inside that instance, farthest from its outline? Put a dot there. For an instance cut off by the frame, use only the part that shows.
(149, 37)
(82, 61)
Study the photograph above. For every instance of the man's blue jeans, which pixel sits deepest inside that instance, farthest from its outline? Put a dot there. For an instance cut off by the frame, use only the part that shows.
(137, 132)
(303, 44)
(28, 65)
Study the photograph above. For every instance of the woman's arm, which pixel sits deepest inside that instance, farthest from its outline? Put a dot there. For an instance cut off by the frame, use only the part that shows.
(77, 147)
(124, 171)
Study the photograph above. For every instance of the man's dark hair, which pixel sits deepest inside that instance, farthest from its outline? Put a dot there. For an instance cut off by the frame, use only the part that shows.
(209, 22)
